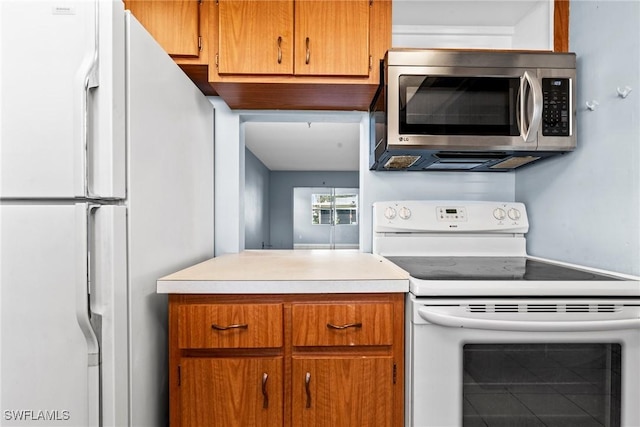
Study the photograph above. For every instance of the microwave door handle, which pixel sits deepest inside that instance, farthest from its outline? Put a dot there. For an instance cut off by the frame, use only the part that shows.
(448, 320)
(529, 133)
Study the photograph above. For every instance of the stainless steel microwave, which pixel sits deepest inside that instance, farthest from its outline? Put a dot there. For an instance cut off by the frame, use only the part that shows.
(472, 110)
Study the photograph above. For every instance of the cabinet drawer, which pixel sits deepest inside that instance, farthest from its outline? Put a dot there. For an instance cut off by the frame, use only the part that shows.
(342, 324)
(230, 326)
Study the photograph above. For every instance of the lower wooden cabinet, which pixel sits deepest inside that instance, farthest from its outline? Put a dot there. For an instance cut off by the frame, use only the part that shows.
(286, 360)
(239, 391)
(343, 391)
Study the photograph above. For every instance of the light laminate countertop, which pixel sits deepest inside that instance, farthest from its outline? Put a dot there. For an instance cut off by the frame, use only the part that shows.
(288, 272)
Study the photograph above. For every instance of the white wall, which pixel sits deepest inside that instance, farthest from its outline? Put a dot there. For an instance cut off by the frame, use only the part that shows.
(477, 24)
(386, 185)
(584, 207)
(229, 180)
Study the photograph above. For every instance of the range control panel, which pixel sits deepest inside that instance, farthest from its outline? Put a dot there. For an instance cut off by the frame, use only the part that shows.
(556, 107)
(450, 217)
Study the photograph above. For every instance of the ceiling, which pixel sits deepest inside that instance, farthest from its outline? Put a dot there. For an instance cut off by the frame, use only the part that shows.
(325, 146)
(304, 146)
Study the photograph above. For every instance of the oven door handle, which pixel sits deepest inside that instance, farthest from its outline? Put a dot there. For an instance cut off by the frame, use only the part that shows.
(452, 321)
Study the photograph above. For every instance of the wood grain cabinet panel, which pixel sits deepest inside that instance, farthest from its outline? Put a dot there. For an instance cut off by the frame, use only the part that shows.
(343, 391)
(230, 326)
(332, 38)
(228, 392)
(175, 25)
(342, 324)
(256, 37)
(286, 368)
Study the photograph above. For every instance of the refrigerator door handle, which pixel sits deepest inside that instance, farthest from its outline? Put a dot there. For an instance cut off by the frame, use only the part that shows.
(83, 317)
(95, 319)
(87, 78)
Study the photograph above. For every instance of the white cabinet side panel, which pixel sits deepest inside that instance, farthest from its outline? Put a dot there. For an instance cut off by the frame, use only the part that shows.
(170, 198)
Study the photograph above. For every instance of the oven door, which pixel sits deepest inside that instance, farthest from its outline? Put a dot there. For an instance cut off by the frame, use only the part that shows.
(523, 363)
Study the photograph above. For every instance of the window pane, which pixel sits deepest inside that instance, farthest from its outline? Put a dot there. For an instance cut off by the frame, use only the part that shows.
(341, 208)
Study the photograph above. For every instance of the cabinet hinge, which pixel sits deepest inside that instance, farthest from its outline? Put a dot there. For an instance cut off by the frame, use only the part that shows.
(200, 43)
(370, 3)
(370, 62)
(200, 2)
(180, 377)
(217, 57)
(395, 373)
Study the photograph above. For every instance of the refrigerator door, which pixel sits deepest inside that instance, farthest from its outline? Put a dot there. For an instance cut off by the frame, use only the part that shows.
(49, 353)
(62, 99)
(170, 206)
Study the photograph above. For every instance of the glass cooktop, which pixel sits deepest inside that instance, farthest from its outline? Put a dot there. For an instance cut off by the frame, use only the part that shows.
(491, 268)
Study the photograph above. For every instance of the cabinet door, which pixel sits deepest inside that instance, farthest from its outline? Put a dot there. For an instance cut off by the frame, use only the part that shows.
(228, 392)
(332, 37)
(255, 37)
(346, 391)
(174, 24)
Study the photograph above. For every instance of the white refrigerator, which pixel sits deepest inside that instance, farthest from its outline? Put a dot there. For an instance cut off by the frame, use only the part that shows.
(106, 184)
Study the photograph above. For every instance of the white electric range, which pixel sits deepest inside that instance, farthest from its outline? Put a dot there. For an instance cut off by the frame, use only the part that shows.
(498, 337)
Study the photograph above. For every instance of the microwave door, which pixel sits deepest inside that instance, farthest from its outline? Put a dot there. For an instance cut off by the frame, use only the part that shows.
(530, 106)
(455, 111)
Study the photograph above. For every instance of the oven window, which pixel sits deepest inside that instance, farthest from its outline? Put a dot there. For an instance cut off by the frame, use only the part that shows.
(540, 385)
(434, 105)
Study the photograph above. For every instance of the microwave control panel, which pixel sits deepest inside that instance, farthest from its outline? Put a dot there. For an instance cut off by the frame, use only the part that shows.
(556, 98)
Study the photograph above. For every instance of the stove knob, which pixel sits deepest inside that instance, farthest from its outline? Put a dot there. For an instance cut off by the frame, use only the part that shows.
(405, 213)
(499, 214)
(514, 214)
(389, 213)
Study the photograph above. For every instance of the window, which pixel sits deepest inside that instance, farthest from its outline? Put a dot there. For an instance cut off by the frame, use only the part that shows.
(334, 209)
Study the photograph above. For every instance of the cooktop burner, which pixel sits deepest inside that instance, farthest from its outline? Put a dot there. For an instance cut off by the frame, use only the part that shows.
(491, 268)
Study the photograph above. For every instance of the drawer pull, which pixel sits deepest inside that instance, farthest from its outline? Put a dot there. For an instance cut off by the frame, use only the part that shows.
(348, 325)
(265, 395)
(224, 328)
(307, 388)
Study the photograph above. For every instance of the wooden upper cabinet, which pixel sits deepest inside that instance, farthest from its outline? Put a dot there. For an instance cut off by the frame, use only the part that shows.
(255, 37)
(287, 37)
(175, 25)
(332, 37)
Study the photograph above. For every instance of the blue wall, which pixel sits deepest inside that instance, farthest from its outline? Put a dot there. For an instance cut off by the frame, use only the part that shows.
(281, 194)
(256, 202)
(584, 207)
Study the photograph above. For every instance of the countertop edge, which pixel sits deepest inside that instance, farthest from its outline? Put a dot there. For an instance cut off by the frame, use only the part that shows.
(240, 287)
